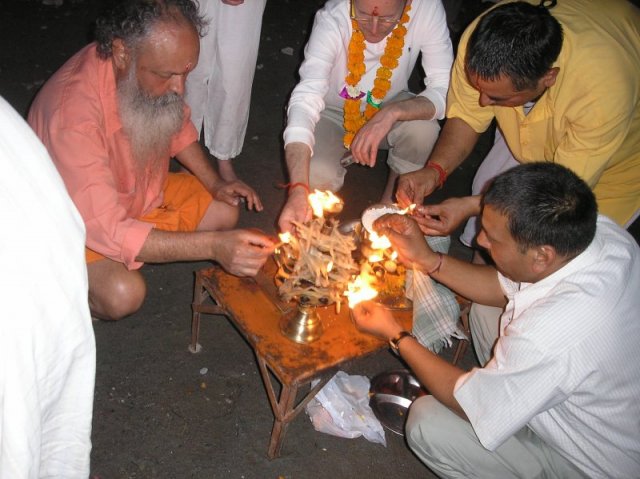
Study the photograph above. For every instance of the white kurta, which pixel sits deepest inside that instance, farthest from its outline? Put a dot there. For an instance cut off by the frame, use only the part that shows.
(324, 69)
(47, 347)
(567, 362)
(219, 89)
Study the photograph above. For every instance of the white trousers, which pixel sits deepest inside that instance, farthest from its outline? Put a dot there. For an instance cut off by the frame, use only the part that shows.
(409, 144)
(219, 89)
(447, 444)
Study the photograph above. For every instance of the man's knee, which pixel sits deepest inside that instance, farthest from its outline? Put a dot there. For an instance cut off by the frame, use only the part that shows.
(438, 436)
(117, 296)
(424, 425)
(326, 175)
(220, 216)
(411, 143)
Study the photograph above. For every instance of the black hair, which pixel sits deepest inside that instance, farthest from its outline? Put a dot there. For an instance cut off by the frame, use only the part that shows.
(131, 21)
(518, 40)
(545, 204)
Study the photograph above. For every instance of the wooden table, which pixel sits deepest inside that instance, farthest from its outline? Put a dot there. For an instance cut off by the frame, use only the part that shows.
(253, 307)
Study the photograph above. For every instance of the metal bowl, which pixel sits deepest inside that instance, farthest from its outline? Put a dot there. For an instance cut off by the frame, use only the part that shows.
(391, 394)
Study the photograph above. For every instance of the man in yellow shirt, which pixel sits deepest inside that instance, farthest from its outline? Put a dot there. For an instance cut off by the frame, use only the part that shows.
(562, 82)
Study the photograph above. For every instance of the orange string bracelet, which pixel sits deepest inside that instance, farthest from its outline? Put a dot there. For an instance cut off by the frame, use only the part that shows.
(291, 186)
(442, 175)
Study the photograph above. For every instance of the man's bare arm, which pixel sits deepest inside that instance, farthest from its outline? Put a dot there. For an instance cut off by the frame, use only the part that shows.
(195, 160)
(240, 252)
(298, 158)
(455, 143)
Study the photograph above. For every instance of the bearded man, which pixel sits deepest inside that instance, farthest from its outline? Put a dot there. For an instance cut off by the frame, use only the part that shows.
(111, 118)
(353, 96)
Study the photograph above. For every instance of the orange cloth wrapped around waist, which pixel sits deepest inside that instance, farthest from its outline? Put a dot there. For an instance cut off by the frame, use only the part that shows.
(184, 205)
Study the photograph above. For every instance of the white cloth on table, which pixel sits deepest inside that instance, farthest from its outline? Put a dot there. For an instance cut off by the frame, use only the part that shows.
(436, 311)
(218, 90)
(567, 363)
(47, 347)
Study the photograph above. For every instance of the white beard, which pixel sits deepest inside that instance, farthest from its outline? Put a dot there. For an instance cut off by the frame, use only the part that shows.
(149, 122)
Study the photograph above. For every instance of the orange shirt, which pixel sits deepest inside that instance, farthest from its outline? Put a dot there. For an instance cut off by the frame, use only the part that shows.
(76, 117)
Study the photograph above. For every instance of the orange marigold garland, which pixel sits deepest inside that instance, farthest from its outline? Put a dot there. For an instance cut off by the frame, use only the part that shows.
(354, 119)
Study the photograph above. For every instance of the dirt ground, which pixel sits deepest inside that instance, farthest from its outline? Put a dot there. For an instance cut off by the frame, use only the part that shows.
(160, 411)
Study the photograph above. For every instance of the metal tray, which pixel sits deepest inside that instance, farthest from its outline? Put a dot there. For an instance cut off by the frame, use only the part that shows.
(391, 393)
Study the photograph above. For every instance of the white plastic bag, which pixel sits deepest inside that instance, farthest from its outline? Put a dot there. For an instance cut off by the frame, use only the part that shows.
(341, 408)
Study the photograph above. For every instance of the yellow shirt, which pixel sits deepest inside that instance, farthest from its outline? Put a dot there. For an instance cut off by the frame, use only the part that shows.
(589, 120)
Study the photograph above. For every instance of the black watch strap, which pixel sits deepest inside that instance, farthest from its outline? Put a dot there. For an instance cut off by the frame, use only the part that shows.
(395, 342)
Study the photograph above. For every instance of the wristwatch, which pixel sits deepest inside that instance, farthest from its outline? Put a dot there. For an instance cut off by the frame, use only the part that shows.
(395, 342)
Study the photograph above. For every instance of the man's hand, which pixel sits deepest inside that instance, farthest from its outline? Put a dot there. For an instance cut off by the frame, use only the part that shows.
(297, 209)
(242, 252)
(407, 239)
(364, 146)
(442, 219)
(414, 187)
(373, 318)
(231, 192)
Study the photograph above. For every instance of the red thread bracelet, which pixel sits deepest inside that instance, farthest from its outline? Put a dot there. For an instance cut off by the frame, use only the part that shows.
(442, 175)
(303, 185)
(437, 268)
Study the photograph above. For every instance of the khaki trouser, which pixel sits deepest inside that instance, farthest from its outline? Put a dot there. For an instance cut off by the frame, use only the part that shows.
(409, 144)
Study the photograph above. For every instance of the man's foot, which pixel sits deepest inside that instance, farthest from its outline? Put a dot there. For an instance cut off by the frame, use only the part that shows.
(225, 168)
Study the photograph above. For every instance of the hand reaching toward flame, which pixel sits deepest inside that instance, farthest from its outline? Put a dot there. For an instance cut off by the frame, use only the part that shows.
(373, 318)
(407, 239)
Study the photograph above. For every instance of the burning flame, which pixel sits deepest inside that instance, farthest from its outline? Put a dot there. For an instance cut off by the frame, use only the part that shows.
(408, 210)
(322, 201)
(379, 242)
(285, 237)
(359, 290)
(375, 257)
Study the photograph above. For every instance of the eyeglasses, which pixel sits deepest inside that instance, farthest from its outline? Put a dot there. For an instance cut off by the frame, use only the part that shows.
(369, 19)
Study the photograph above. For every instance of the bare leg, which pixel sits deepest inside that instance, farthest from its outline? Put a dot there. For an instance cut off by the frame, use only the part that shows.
(219, 217)
(225, 168)
(114, 291)
(387, 195)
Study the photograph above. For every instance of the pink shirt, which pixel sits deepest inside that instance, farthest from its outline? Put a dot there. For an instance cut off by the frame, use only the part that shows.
(76, 117)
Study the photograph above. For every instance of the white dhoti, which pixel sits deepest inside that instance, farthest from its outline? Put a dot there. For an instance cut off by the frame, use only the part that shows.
(218, 91)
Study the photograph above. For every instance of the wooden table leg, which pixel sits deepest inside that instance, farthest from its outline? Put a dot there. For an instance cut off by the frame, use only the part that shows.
(200, 295)
(284, 408)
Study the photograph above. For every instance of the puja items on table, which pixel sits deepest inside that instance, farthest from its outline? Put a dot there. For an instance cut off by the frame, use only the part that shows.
(316, 262)
(379, 266)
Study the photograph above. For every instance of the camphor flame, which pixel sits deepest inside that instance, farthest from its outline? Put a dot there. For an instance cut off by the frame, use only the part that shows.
(322, 201)
(359, 290)
(408, 210)
(285, 237)
(379, 242)
(375, 257)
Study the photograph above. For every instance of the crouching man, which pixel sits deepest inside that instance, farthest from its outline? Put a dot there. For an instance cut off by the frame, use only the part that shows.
(558, 396)
(111, 118)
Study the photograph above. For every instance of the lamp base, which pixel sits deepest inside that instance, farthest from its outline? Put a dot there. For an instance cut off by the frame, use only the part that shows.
(303, 325)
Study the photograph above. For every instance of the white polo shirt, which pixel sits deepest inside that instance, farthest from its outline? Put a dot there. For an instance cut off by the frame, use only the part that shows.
(567, 362)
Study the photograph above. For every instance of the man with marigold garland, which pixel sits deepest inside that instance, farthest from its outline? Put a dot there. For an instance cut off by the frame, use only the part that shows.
(353, 98)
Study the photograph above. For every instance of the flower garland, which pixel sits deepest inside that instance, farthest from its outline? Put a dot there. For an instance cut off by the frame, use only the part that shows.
(353, 118)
